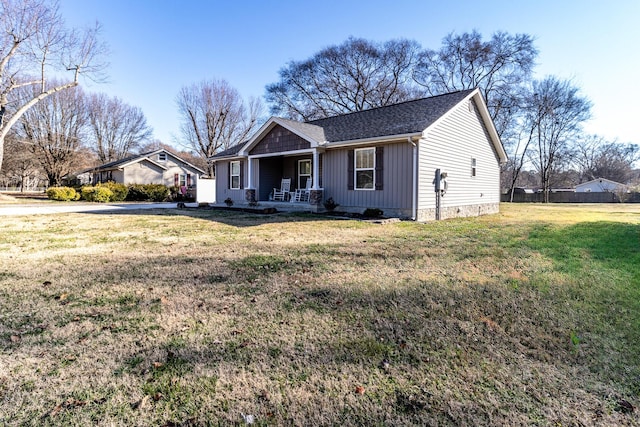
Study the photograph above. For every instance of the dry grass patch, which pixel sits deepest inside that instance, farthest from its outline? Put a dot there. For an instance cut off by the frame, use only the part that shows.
(200, 317)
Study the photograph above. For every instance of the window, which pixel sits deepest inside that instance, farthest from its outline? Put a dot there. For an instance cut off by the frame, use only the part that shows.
(162, 157)
(183, 180)
(234, 175)
(473, 166)
(365, 166)
(304, 172)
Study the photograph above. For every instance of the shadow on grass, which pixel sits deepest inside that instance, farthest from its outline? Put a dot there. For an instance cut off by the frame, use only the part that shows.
(407, 347)
(439, 352)
(227, 217)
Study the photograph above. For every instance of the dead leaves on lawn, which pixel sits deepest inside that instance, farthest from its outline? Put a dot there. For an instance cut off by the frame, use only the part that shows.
(72, 403)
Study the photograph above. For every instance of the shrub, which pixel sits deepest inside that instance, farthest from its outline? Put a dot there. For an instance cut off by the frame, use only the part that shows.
(148, 192)
(96, 194)
(330, 204)
(177, 196)
(136, 193)
(63, 194)
(119, 190)
(372, 213)
(228, 202)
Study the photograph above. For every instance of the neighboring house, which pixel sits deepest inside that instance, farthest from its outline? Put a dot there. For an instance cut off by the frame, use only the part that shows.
(155, 167)
(600, 185)
(384, 158)
(84, 177)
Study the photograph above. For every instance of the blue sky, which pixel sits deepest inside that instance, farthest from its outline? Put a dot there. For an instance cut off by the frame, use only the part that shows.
(157, 47)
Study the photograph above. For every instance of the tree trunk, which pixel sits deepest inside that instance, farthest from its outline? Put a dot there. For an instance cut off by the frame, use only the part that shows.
(1, 149)
(3, 110)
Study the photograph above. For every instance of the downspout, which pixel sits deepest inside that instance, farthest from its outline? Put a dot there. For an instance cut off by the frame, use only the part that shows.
(414, 183)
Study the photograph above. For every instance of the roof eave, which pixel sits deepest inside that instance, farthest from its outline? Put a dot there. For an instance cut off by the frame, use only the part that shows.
(237, 156)
(372, 140)
(484, 112)
(486, 117)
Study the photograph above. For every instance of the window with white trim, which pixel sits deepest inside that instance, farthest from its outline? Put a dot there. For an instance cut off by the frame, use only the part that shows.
(364, 168)
(183, 180)
(234, 175)
(473, 166)
(304, 172)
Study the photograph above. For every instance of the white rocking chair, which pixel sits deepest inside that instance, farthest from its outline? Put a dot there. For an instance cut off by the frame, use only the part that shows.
(302, 194)
(283, 192)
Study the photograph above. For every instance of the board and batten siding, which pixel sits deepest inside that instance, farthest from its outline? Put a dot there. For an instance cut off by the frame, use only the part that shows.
(393, 199)
(222, 182)
(450, 146)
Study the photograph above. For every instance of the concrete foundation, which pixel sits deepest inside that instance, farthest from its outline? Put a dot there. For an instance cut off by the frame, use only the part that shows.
(425, 215)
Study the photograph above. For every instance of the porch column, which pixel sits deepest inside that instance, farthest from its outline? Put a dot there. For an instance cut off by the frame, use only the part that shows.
(316, 170)
(250, 173)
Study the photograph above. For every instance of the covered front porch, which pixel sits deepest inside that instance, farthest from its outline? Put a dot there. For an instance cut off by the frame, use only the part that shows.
(301, 168)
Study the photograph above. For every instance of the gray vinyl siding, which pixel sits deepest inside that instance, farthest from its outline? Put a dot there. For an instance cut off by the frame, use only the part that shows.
(222, 183)
(396, 192)
(143, 173)
(450, 145)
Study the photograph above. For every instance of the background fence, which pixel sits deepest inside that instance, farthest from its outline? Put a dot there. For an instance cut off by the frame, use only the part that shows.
(571, 197)
(11, 189)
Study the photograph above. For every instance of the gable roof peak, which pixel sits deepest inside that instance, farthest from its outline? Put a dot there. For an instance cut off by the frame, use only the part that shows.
(405, 118)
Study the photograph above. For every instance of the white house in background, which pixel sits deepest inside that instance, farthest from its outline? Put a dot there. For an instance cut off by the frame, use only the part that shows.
(600, 185)
(155, 167)
(386, 158)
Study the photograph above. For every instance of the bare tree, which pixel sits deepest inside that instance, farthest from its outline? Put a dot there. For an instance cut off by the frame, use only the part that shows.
(354, 76)
(527, 125)
(499, 67)
(35, 43)
(214, 117)
(598, 158)
(21, 167)
(116, 129)
(557, 112)
(53, 130)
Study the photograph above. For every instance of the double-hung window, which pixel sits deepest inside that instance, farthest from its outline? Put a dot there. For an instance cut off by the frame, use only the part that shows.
(304, 172)
(473, 166)
(234, 175)
(365, 167)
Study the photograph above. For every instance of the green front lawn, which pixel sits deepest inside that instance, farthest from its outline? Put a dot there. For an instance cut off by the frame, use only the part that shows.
(202, 317)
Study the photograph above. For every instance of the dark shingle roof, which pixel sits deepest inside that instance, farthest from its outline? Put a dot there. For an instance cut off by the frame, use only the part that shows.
(408, 117)
(398, 119)
(116, 163)
(311, 130)
(231, 151)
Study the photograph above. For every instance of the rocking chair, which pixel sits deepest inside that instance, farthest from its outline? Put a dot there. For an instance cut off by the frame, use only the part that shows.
(302, 194)
(283, 192)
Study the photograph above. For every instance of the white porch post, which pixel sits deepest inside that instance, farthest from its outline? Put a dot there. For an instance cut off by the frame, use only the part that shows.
(249, 173)
(316, 170)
